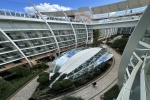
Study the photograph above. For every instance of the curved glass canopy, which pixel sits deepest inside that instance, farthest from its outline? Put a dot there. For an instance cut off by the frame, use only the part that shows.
(58, 62)
(85, 68)
(75, 69)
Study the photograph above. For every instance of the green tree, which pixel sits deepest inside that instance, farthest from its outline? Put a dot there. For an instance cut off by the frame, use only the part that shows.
(20, 71)
(56, 86)
(95, 37)
(5, 86)
(43, 78)
(126, 36)
(82, 81)
(71, 98)
(5, 89)
(66, 83)
(112, 93)
(120, 44)
(41, 65)
(44, 74)
(97, 71)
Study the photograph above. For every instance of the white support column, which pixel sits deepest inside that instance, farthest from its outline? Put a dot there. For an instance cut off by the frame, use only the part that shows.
(130, 30)
(116, 30)
(127, 7)
(109, 11)
(15, 46)
(143, 80)
(72, 28)
(47, 26)
(87, 34)
(121, 30)
(105, 32)
(104, 35)
(86, 30)
(111, 32)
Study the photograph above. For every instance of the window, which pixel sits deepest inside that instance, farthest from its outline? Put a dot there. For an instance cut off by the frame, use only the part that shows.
(30, 58)
(17, 62)
(1, 66)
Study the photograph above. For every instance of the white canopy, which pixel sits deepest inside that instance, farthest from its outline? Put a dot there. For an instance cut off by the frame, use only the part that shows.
(131, 4)
(78, 59)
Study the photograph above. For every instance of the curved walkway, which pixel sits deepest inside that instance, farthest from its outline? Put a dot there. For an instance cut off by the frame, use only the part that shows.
(104, 83)
(26, 92)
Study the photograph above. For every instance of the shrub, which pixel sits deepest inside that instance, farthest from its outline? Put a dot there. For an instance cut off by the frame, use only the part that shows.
(44, 74)
(15, 84)
(43, 78)
(5, 88)
(89, 76)
(56, 86)
(10, 77)
(126, 36)
(97, 71)
(120, 44)
(66, 83)
(112, 93)
(41, 65)
(71, 98)
(113, 36)
(81, 81)
(20, 71)
(32, 99)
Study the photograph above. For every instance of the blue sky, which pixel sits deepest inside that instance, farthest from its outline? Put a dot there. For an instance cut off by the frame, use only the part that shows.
(19, 5)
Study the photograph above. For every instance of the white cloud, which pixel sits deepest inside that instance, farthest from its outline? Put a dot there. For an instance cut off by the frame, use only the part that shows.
(46, 7)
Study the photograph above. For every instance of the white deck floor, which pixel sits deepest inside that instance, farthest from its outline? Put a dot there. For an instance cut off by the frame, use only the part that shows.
(78, 59)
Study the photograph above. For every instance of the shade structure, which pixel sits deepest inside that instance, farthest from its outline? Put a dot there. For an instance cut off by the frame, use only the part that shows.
(78, 59)
(123, 5)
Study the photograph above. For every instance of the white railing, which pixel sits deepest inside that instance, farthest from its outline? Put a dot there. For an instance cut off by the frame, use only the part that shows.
(126, 90)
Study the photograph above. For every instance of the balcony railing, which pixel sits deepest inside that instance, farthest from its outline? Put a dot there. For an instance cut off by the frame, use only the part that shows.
(2, 38)
(13, 57)
(23, 45)
(5, 49)
(37, 43)
(16, 37)
(29, 53)
(32, 36)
